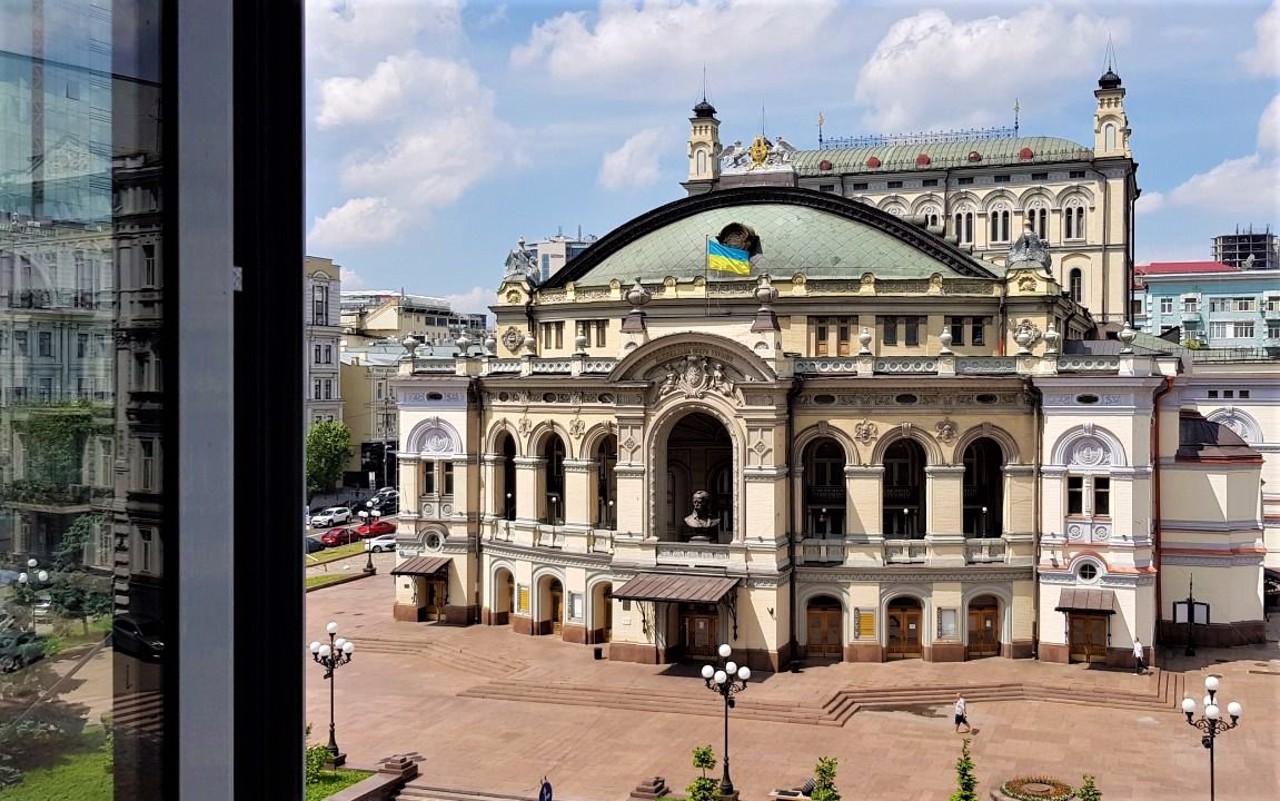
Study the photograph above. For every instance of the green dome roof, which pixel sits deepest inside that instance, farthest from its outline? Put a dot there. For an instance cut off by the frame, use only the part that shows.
(800, 231)
(900, 157)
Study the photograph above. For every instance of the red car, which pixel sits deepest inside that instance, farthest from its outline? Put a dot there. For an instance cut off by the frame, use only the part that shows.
(342, 535)
(375, 528)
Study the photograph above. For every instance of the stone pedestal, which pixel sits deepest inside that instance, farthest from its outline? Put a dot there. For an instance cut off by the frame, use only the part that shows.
(651, 788)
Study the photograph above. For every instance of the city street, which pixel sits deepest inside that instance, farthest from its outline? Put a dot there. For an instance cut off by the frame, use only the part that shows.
(597, 728)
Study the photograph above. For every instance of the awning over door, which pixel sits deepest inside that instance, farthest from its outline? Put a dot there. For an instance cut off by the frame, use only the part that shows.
(422, 566)
(670, 587)
(1097, 602)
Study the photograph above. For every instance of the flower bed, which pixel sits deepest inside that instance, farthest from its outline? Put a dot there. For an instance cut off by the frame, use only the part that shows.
(1036, 788)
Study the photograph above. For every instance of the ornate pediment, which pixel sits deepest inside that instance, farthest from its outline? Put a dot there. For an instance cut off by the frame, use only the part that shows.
(696, 377)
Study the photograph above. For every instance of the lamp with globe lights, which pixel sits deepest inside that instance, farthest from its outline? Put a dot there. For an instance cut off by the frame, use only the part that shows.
(332, 656)
(1211, 722)
(30, 581)
(728, 679)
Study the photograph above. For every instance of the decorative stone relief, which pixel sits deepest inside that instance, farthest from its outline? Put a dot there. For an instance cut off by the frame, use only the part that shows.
(577, 428)
(525, 425)
(511, 338)
(1090, 452)
(695, 376)
(1027, 283)
(946, 431)
(1030, 329)
(865, 431)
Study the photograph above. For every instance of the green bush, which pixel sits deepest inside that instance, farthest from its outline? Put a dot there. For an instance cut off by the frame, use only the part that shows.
(824, 780)
(704, 788)
(1088, 791)
(966, 782)
(317, 756)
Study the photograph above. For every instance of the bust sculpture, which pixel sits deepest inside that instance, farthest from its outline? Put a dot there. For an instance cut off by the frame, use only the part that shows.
(699, 524)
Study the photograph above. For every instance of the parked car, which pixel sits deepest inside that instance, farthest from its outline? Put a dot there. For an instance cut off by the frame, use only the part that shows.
(137, 638)
(342, 535)
(382, 542)
(385, 491)
(331, 516)
(19, 649)
(357, 505)
(387, 505)
(375, 528)
(313, 544)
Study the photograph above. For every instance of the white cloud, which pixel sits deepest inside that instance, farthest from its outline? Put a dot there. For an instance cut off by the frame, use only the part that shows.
(475, 301)
(635, 163)
(401, 83)
(498, 14)
(351, 279)
(1263, 58)
(1244, 186)
(929, 70)
(359, 221)
(1148, 202)
(660, 46)
(354, 34)
(1269, 126)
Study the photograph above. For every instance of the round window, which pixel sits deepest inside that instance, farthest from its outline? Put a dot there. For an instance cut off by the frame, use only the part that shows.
(432, 542)
(434, 396)
(906, 398)
(824, 400)
(548, 397)
(987, 398)
(1087, 572)
(503, 396)
(1087, 400)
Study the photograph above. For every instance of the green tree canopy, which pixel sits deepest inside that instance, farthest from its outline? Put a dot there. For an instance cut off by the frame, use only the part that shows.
(328, 448)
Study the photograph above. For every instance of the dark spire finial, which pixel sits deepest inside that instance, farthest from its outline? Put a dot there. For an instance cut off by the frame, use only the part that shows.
(704, 108)
(1109, 79)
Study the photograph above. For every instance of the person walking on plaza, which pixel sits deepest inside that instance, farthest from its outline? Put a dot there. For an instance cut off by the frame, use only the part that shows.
(1139, 666)
(962, 716)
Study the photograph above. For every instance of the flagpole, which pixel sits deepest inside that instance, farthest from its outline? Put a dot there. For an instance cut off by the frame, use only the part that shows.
(706, 275)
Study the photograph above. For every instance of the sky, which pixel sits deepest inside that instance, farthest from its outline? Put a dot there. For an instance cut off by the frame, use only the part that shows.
(441, 131)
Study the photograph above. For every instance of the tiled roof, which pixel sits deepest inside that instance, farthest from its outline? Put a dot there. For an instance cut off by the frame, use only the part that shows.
(793, 239)
(1166, 267)
(941, 155)
(675, 587)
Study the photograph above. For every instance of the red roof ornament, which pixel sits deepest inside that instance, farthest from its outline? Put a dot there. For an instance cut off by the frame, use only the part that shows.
(873, 163)
(923, 160)
(975, 155)
(1026, 153)
(824, 165)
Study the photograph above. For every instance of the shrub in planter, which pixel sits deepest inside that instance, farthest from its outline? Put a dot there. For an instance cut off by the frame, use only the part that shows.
(966, 782)
(1037, 788)
(824, 780)
(704, 788)
(1088, 791)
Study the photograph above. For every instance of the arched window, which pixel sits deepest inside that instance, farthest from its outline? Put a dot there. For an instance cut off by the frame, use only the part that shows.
(963, 221)
(508, 473)
(931, 215)
(1109, 136)
(903, 502)
(1038, 218)
(1075, 285)
(999, 218)
(1073, 220)
(701, 167)
(553, 453)
(983, 489)
(607, 483)
(895, 209)
(824, 489)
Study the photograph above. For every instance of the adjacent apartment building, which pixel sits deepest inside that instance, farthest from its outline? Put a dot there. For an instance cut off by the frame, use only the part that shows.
(322, 342)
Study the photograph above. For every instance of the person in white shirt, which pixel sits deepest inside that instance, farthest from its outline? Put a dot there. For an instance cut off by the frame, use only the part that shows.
(1139, 666)
(962, 717)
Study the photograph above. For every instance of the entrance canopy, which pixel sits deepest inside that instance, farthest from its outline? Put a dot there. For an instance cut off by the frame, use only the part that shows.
(1098, 602)
(678, 588)
(423, 566)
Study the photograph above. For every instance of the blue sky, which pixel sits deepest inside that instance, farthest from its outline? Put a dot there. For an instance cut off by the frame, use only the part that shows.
(440, 132)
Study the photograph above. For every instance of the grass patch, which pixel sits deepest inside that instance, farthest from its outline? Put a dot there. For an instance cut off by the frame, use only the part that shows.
(334, 554)
(331, 781)
(321, 579)
(79, 775)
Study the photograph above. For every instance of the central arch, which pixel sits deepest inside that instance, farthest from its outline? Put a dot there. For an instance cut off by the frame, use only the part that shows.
(699, 457)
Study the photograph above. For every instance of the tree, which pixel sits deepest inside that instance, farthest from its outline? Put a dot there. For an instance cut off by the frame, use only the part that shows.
(328, 448)
(1087, 791)
(966, 782)
(704, 788)
(824, 780)
(74, 592)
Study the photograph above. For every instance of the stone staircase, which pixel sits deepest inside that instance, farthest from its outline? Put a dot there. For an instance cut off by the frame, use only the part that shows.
(1160, 693)
(420, 789)
(488, 665)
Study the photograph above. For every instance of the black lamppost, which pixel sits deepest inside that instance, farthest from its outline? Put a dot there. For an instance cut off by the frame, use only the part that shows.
(1191, 618)
(31, 579)
(331, 657)
(728, 680)
(1211, 722)
(371, 517)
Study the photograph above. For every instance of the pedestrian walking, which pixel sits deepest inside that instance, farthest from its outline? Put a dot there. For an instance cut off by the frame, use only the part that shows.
(1139, 664)
(962, 714)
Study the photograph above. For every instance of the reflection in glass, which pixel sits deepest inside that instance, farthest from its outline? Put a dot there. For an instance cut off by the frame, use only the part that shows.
(81, 446)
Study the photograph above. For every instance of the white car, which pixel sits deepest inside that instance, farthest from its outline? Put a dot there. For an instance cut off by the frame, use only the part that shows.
(382, 542)
(331, 516)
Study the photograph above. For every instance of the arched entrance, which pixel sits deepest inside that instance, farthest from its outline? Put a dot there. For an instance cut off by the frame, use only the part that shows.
(824, 488)
(601, 612)
(984, 627)
(825, 625)
(904, 628)
(699, 458)
(504, 597)
(904, 484)
(550, 606)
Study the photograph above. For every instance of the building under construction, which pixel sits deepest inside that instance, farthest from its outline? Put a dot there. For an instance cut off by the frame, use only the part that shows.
(1248, 250)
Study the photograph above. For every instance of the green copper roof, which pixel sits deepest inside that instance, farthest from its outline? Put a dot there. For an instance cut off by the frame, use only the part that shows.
(793, 239)
(942, 155)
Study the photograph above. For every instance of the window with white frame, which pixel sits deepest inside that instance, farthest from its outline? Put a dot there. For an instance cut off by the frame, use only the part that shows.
(1075, 285)
(1219, 330)
(1037, 218)
(1073, 219)
(148, 266)
(148, 465)
(1272, 303)
(316, 353)
(1166, 305)
(963, 222)
(328, 389)
(328, 354)
(1190, 305)
(998, 216)
(320, 304)
(1088, 496)
(1273, 329)
(315, 389)
(1242, 330)
(105, 547)
(147, 546)
(437, 478)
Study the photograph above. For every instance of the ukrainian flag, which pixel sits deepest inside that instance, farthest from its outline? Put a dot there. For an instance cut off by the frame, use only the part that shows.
(726, 259)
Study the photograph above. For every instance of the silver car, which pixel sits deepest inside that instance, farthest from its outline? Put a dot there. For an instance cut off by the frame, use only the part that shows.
(380, 543)
(332, 516)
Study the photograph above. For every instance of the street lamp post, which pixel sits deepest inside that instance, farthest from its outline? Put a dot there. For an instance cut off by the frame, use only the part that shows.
(331, 657)
(1211, 722)
(1191, 619)
(32, 579)
(728, 680)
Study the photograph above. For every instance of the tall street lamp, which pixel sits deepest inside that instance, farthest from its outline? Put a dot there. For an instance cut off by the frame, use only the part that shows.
(331, 657)
(31, 579)
(372, 517)
(1211, 722)
(728, 680)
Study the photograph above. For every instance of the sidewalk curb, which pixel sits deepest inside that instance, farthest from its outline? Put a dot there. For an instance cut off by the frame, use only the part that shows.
(341, 581)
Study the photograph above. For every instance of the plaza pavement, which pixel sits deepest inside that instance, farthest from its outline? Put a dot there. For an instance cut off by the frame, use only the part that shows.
(440, 691)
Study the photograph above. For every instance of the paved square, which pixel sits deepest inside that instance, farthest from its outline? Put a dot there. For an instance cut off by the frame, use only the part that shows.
(494, 711)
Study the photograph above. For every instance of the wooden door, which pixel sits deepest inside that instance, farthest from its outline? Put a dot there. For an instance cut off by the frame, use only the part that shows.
(435, 600)
(824, 624)
(700, 635)
(904, 632)
(557, 608)
(984, 637)
(1088, 638)
(607, 631)
(511, 597)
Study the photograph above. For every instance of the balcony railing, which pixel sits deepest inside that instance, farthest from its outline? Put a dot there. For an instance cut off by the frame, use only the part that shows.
(822, 551)
(902, 552)
(984, 550)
